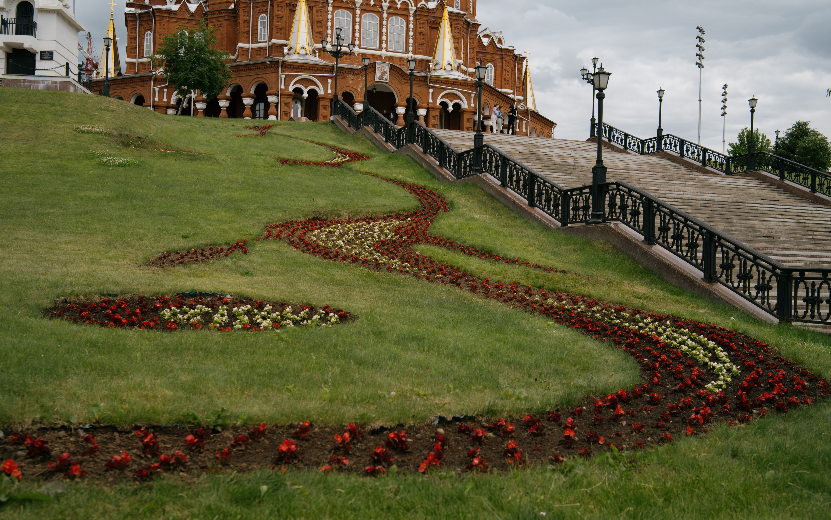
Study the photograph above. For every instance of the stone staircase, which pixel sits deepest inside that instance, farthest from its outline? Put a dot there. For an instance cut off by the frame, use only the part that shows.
(785, 227)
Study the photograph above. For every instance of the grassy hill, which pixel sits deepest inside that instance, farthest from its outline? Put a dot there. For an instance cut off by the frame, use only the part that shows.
(92, 188)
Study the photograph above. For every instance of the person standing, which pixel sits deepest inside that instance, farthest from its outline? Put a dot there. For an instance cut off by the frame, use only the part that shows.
(512, 113)
(499, 119)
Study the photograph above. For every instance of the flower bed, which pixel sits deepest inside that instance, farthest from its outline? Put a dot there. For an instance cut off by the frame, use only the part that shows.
(693, 374)
(221, 312)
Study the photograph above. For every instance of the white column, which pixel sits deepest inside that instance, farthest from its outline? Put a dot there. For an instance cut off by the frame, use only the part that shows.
(248, 101)
(273, 100)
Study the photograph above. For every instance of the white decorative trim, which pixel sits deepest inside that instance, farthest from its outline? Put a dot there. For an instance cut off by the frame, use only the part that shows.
(305, 90)
(462, 101)
(254, 86)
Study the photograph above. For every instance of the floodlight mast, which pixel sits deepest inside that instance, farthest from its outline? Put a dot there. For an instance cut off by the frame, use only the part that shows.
(700, 65)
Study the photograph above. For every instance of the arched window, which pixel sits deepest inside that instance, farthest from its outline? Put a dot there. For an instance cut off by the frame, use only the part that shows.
(369, 31)
(343, 20)
(397, 29)
(489, 74)
(262, 28)
(148, 43)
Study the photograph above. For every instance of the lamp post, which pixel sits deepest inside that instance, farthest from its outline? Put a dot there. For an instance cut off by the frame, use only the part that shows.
(366, 93)
(337, 51)
(411, 65)
(751, 143)
(584, 72)
(107, 42)
(776, 144)
(478, 139)
(660, 130)
(600, 81)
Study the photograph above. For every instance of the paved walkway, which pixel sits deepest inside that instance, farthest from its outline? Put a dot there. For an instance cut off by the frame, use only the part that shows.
(783, 226)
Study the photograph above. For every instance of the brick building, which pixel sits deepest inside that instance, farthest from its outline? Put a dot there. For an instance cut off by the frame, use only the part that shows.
(280, 71)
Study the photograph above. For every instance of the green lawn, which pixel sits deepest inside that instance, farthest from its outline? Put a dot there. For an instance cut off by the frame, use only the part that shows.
(75, 226)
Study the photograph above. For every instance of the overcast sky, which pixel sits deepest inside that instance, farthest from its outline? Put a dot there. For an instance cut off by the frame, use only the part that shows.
(779, 51)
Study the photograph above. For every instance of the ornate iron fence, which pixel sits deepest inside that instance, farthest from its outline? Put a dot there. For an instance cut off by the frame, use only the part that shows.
(787, 170)
(787, 293)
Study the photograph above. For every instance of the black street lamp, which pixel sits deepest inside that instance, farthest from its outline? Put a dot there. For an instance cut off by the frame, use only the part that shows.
(584, 72)
(751, 143)
(660, 130)
(337, 51)
(478, 138)
(366, 94)
(601, 81)
(776, 144)
(107, 42)
(411, 64)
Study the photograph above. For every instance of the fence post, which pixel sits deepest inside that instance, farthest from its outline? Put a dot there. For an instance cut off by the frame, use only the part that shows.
(681, 147)
(649, 222)
(532, 186)
(781, 169)
(503, 171)
(565, 208)
(708, 259)
(784, 295)
(704, 157)
(813, 182)
(625, 141)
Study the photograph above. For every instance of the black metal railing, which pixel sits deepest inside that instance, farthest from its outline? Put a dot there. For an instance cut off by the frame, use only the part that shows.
(458, 164)
(787, 293)
(18, 26)
(787, 170)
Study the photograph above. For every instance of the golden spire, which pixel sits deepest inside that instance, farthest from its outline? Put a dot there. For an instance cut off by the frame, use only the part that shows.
(445, 56)
(113, 61)
(301, 41)
(527, 87)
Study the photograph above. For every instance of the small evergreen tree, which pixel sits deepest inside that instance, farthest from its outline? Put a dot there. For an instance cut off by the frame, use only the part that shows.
(805, 145)
(761, 141)
(191, 62)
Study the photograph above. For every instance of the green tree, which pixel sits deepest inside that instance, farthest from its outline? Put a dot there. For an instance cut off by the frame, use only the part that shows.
(191, 62)
(805, 145)
(761, 141)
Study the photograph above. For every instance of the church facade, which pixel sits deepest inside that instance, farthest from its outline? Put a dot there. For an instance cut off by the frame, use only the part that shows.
(280, 69)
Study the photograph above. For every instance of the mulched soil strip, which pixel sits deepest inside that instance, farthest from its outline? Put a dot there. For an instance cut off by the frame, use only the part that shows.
(148, 312)
(670, 401)
(195, 256)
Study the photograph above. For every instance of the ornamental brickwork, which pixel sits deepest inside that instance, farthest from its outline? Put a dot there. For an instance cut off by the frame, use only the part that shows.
(269, 82)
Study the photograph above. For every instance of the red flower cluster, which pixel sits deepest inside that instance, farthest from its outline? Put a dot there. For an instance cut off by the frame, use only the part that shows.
(10, 469)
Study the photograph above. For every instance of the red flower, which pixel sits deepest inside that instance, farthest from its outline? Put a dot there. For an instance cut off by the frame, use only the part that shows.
(380, 455)
(224, 457)
(287, 452)
(119, 461)
(303, 431)
(11, 469)
(74, 472)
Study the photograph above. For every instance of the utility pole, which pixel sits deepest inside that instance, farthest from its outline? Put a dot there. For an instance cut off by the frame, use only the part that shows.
(700, 64)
